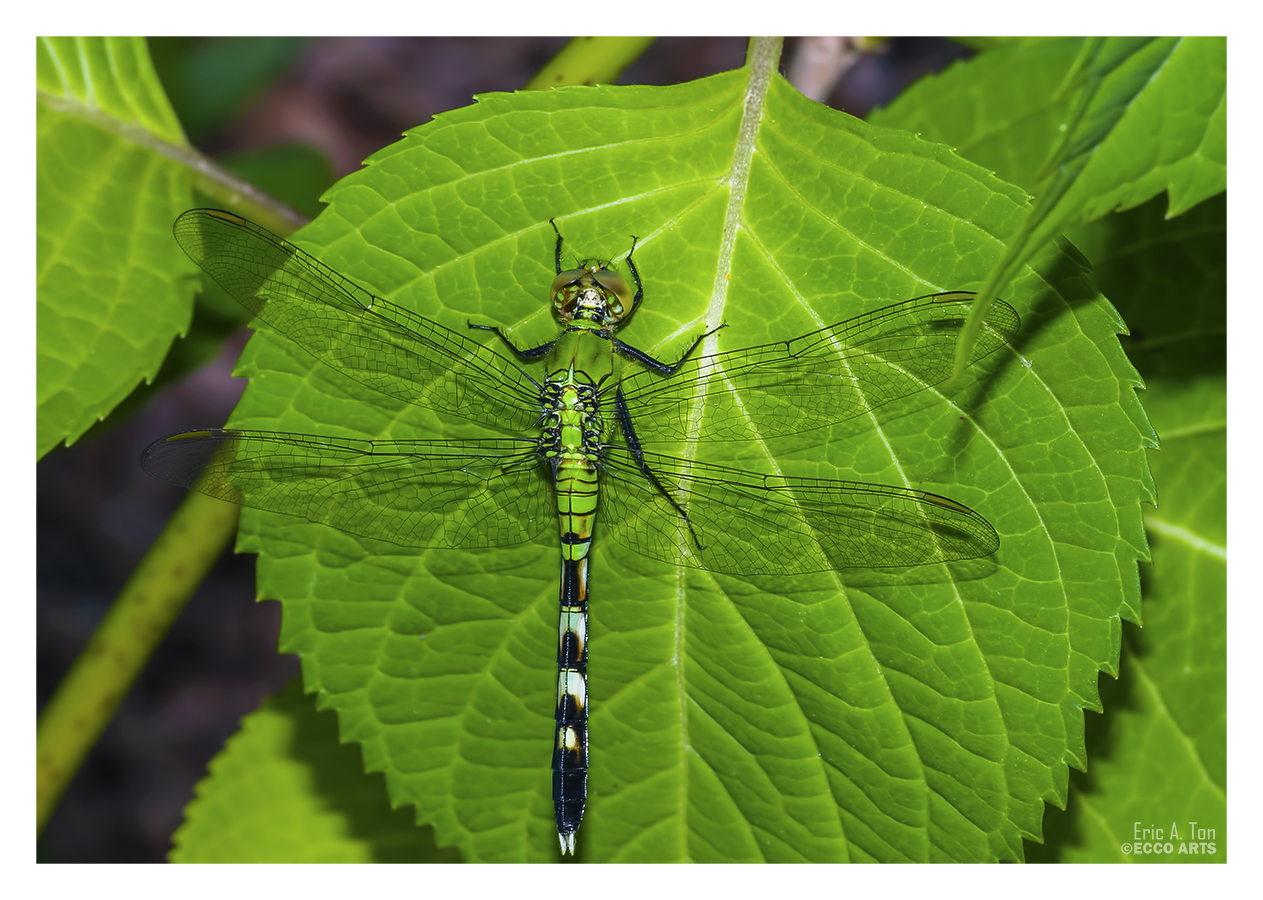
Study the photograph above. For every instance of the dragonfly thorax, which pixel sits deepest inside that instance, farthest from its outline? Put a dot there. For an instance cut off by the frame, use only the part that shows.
(592, 293)
(570, 422)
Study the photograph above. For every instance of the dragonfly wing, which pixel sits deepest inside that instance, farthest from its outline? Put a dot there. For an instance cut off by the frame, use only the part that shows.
(372, 340)
(479, 493)
(750, 524)
(818, 379)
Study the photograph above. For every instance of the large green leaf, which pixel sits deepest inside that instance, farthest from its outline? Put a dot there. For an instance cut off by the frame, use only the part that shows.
(914, 714)
(113, 288)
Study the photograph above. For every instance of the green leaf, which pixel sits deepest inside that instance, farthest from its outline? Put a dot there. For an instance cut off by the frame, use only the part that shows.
(283, 790)
(1002, 109)
(1149, 116)
(1156, 122)
(900, 714)
(113, 287)
(1163, 758)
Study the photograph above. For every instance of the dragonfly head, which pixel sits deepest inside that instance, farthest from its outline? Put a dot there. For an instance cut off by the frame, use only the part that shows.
(594, 293)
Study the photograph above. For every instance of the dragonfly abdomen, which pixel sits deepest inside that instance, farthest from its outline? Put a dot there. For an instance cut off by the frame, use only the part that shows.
(576, 507)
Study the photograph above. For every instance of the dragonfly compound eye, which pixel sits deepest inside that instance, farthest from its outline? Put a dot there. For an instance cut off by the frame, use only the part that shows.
(567, 284)
(615, 284)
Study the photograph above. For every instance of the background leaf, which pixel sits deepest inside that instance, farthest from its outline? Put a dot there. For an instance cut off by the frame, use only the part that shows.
(885, 715)
(1002, 109)
(113, 289)
(283, 790)
(1157, 122)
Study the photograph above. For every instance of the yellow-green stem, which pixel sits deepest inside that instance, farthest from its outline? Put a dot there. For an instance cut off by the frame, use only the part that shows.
(589, 60)
(90, 693)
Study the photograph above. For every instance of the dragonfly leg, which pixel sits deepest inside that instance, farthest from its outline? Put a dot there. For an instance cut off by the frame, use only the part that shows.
(657, 365)
(531, 353)
(557, 252)
(640, 288)
(623, 414)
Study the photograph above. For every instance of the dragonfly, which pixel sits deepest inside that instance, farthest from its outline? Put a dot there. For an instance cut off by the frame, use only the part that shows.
(580, 434)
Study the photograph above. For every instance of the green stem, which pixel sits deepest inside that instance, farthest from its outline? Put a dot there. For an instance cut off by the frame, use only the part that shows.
(589, 60)
(139, 618)
(764, 52)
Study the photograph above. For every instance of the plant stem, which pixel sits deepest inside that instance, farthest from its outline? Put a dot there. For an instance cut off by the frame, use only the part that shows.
(589, 60)
(139, 618)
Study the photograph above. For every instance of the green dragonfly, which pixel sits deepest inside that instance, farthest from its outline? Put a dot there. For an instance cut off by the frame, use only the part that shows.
(584, 427)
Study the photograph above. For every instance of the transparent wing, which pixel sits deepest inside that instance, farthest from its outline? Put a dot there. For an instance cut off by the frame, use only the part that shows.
(372, 340)
(479, 493)
(750, 524)
(818, 379)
